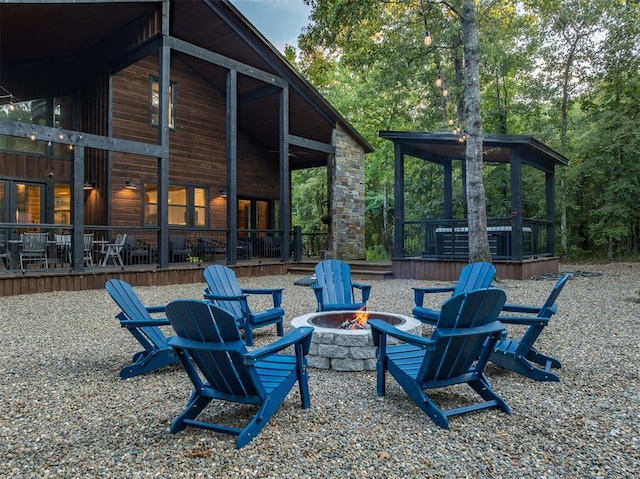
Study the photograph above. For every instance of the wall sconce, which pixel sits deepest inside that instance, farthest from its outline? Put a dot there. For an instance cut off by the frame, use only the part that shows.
(223, 193)
(130, 184)
(88, 185)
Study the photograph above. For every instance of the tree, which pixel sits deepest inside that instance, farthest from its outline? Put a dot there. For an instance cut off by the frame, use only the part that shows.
(568, 29)
(476, 201)
(373, 40)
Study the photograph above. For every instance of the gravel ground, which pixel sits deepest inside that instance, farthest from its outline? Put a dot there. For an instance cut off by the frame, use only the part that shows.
(66, 413)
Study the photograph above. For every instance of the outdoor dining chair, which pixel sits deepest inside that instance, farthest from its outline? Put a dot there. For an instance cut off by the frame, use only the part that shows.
(113, 251)
(34, 249)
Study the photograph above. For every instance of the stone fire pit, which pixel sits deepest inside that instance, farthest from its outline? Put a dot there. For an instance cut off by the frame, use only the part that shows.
(347, 349)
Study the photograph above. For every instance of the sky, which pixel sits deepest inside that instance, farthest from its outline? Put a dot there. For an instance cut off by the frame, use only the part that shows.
(280, 21)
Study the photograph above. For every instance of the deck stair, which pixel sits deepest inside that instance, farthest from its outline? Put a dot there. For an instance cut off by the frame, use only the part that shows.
(360, 269)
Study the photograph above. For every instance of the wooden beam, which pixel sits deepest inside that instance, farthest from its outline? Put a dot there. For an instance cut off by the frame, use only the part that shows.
(164, 70)
(310, 144)
(77, 237)
(285, 219)
(78, 138)
(281, 67)
(225, 62)
(232, 166)
(398, 217)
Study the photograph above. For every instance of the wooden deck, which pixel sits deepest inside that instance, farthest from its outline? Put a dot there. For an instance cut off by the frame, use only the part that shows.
(449, 270)
(58, 279)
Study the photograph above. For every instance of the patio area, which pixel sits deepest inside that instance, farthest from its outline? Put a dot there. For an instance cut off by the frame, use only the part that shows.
(66, 412)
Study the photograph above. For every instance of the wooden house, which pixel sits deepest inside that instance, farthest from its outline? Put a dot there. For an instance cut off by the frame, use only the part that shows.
(172, 121)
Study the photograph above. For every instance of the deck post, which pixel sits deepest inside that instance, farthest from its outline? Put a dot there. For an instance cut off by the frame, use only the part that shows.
(232, 166)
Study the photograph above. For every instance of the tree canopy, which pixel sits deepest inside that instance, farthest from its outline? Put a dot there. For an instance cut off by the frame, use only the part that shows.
(564, 71)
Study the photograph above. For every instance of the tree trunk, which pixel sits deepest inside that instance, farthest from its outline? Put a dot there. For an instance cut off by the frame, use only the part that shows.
(476, 202)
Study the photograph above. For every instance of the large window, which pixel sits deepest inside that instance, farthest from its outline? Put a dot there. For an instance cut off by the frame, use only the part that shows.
(56, 112)
(31, 203)
(154, 102)
(187, 205)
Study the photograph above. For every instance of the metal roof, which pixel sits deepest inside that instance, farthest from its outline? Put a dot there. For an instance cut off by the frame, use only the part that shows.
(441, 147)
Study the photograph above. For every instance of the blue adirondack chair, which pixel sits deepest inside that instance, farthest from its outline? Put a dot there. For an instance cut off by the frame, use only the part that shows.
(334, 288)
(208, 337)
(456, 353)
(473, 276)
(224, 291)
(520, 355)
(137, 319)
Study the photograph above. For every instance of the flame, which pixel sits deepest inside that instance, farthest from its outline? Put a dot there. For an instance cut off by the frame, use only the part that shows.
(361, 316)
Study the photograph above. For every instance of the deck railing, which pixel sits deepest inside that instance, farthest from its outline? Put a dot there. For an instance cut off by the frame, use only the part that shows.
(140, 246)
(448, 239)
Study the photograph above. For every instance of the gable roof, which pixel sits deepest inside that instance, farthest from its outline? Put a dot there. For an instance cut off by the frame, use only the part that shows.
(60, 32)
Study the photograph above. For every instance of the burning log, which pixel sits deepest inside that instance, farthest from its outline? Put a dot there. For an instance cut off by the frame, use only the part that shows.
(359, 321)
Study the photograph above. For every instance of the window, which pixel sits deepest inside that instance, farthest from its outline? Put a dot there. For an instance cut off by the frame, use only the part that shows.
(29, 204)
(154, 102)
(187, 205)
(52, 111)
(62, 204)
(199, 207)
(256, 214)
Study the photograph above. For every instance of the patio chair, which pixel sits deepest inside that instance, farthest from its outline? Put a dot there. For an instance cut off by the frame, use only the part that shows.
(63, 248)
(456, 353)
(113, 251)
(210, 249)
(519, 355)
(34, 249)
(5, 254)
(137, 319)
(224, 291)
(207, 337)
(180, 247)
(87, 249)
(334, 288)
(473, 276)
(136, 251)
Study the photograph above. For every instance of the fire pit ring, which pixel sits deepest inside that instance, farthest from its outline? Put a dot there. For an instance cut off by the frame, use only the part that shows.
(347, 349)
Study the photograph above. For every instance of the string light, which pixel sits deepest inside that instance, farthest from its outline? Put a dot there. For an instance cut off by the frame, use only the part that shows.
(12, 99)
(427, 38)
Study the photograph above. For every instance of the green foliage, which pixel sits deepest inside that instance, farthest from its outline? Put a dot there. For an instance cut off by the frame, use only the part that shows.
(309, 197)
(563, 71)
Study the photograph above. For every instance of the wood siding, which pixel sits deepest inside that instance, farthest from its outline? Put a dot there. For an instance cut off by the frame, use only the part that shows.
(197, 144)
(35, 168)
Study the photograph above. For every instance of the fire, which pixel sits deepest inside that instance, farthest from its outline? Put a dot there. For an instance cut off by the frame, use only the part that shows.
(361, 317)
(359, 320)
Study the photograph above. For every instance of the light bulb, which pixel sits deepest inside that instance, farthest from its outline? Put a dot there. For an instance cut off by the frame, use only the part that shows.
(427, 38)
